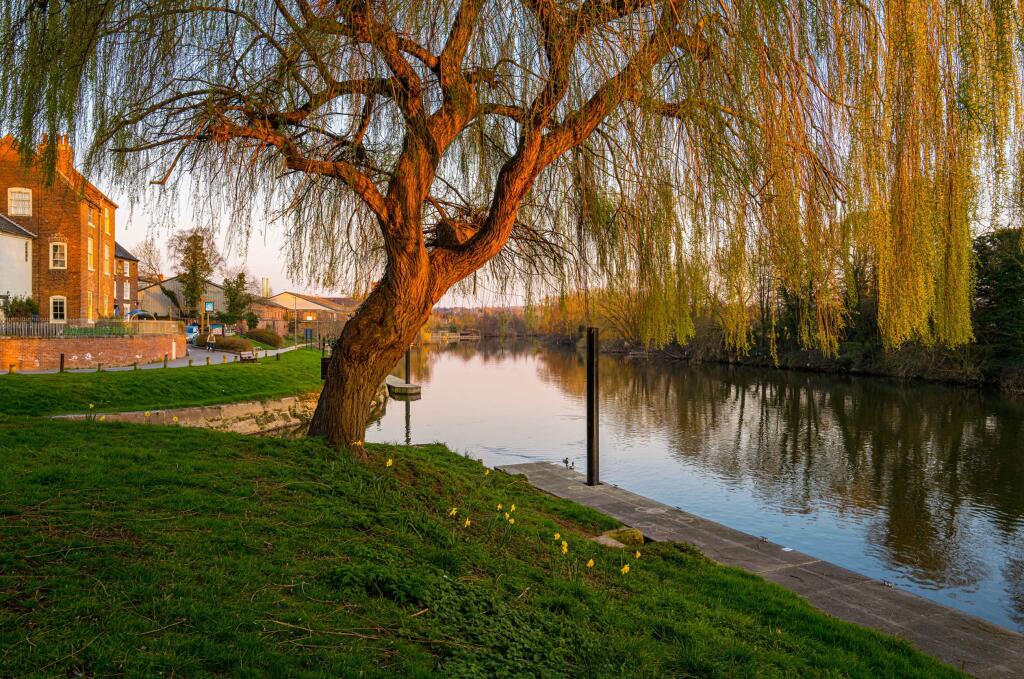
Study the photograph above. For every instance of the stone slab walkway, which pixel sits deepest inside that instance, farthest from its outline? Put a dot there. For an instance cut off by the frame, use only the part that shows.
(964, 641)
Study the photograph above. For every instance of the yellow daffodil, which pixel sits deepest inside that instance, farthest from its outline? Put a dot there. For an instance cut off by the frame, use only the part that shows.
(487, 471)
(466, 524)
(91, 406)
(637, 555)
(625, 569)
(506, 516)
(102, 418)
(565, 547)
(590, 563)
(500, 506)
(175, 419)
(389, 463)
(512, 521)
(512, 508)
(558, 536)
(453, 511)
(147, 413)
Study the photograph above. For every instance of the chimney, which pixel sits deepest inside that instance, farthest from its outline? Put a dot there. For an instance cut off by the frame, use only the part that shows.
(65, 156)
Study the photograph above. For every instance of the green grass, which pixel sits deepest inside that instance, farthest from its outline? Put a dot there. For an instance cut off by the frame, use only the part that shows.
(136, 550)
(296, 372)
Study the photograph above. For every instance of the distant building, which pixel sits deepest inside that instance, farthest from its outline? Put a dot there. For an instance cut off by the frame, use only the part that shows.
(66, 231)
(313, 309)
(271, 315)
(126, 281)
(165, 299)
(15, 260)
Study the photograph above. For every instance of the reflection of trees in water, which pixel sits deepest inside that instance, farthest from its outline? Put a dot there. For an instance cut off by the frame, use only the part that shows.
(922, 464)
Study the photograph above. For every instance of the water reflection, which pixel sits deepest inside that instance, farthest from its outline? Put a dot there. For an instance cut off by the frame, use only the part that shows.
(919, 484)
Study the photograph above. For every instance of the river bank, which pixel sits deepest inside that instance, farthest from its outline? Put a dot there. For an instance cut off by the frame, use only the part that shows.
(964, 366)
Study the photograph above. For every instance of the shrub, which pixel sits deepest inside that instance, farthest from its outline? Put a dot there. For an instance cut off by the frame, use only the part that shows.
(20, 307)
(266, 336)
(235, 344)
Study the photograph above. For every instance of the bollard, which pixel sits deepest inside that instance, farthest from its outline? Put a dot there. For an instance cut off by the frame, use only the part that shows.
(99, 367)
(408, 366)
(593, 394)
(190, 362)
(135, 365)
(62, 362)
(207, 360)
(277, 356)
(165, 360)
(12, 369)
(224, 358)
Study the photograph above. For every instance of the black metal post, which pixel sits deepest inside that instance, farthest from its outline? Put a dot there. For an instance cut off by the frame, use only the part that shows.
(408, 366)
(62, 362)
(593, 447)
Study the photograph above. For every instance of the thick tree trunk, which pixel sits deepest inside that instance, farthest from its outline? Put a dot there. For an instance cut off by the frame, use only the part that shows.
(371, 344)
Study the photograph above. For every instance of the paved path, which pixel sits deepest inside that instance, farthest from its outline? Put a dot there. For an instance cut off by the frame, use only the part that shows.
(196, 354)
(961, 640)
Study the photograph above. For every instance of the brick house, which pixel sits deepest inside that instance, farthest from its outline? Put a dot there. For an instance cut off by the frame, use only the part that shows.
(73, 227)
(126, 281)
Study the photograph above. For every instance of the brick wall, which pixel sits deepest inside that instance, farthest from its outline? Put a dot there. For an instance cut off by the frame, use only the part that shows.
(36, 353)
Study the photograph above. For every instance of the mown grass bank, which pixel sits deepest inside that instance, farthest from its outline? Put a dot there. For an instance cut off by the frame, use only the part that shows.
(138, 550)
(296, 372)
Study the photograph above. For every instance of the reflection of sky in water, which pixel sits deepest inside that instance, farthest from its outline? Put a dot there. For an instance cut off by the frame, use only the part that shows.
(917, 484)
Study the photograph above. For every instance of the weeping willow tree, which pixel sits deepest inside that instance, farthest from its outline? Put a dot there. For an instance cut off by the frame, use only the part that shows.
(409, 146)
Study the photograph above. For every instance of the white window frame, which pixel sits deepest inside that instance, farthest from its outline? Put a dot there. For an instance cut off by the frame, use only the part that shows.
(16, 190)
(126, 309)
(106, 220)
(88, 215)
(64, 254)
(104, 309)
(107, 259)
(126, 290)
(90, 254)
(127, 268)
(64, 309)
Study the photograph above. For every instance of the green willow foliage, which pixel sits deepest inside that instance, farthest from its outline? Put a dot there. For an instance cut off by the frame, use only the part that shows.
(777, 146)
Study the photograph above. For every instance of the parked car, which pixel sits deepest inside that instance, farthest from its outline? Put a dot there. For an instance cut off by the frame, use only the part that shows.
(140, 315)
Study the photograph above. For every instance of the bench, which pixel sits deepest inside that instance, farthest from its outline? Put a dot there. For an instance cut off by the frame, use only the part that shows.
(247, 357)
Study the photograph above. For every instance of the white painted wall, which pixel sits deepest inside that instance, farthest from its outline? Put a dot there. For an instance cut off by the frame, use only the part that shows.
(15, 272)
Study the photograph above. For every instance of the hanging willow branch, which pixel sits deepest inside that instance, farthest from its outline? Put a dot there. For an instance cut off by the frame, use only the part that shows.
(677, 150)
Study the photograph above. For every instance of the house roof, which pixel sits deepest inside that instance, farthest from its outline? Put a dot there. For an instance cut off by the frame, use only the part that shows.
(13, 228)
(75, 180)
(165, 281)
(343, 305)
(266, 301)
(121, 253)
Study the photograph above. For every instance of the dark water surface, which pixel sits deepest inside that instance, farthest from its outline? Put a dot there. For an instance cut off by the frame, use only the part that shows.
(918, 484)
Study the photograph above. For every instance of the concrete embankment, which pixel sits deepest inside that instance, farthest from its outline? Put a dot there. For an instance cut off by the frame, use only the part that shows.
(290, 413)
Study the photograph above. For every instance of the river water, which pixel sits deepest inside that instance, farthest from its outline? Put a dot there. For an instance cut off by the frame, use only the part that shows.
(918, 484)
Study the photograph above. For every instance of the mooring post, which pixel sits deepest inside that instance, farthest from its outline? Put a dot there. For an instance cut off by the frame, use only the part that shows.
(408, 366)
(593, 465)
(62, 362)
(165, 360)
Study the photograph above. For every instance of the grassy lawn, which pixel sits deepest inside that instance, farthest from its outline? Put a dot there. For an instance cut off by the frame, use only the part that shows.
(296, 372)
(138, 550)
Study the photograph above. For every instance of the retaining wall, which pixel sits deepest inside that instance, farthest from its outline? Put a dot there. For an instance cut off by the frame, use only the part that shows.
(43, 353)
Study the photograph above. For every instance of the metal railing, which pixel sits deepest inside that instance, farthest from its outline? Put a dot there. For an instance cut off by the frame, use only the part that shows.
(114, 327)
